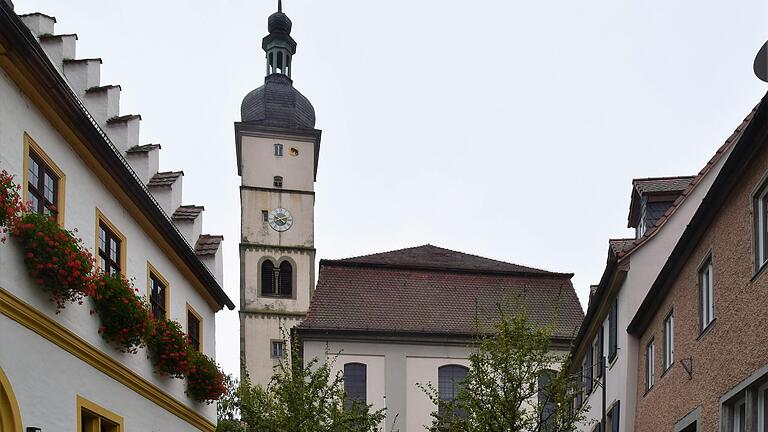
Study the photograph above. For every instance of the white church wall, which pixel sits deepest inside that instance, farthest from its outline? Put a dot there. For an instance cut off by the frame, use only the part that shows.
(256, 230)
(85, 192)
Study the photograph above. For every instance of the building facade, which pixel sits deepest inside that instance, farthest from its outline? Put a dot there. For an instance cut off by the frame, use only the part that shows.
(63, 138)
(660, 211)
(277, 154)
(394, 320)
(703, 363)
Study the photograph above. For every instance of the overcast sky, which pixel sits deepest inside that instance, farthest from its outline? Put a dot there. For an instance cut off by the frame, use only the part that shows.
(506, 129)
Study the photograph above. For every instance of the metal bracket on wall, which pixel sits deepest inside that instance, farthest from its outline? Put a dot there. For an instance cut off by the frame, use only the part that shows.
(689, 367)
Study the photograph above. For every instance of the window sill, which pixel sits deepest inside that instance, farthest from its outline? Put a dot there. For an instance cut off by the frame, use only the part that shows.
(669, 368)
(706, 329)
(648, 390)
(760, 271)
(276, 296)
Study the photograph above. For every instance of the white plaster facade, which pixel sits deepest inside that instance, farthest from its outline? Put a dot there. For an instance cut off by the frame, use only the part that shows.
(394, 372)
(645, 263)
(51, 359)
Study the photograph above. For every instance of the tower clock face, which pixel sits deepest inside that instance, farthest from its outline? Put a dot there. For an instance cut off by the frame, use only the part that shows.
(280, 219)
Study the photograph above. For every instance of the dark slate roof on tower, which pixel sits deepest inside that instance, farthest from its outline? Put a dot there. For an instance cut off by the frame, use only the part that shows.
(360, 295)
(436, 258)
(277, 103)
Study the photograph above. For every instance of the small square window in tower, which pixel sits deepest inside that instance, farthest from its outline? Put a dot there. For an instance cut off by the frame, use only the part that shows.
(278, 149)
(278, 181)
(278, 349)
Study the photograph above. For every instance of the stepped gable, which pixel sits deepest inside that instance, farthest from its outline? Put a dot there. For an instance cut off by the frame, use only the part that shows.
(440, 292)
(79, 79)
(208, 244)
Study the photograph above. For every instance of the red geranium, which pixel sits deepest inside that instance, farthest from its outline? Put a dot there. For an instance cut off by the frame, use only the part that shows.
(205, 381)
(54, 257)
(124, 316)
(167, 346)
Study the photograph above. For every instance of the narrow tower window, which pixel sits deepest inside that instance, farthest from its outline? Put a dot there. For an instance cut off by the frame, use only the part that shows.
(278, 181)
(278, 149)
(276, 281)
(285, 287)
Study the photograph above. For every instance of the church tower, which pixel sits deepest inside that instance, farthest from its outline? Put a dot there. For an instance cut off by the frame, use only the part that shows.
(277, 150)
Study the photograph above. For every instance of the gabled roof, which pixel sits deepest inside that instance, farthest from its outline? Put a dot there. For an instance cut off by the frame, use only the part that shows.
(651, 231)
(429, 257)
(747, 146)
(360, 296)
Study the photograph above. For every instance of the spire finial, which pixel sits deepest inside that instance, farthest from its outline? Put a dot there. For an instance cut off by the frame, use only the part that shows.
(279, 5)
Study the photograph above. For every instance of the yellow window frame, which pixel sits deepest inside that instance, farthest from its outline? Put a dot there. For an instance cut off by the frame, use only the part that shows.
(30, 146)
(91, 417)
(100, 218)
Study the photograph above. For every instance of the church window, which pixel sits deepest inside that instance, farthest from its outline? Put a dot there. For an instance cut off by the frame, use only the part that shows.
(276, 281)
(265, 216)
(547, 402)
(355, 386)
(277, 349)
(449, 381)
(278, 149)
(278, 181)
(285, 286)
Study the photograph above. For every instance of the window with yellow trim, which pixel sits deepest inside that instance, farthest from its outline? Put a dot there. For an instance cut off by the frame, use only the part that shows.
(93, 418)
(157, 292)
(110, 246)
(43, 182)
(194, 329)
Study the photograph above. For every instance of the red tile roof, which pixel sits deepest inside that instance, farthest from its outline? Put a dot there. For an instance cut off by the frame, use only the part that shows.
(429, 257)
(382, 293)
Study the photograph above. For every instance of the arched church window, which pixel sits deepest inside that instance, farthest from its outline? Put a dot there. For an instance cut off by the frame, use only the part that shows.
(286, 279)
(449, 381)
(267, 278)
(355, 385)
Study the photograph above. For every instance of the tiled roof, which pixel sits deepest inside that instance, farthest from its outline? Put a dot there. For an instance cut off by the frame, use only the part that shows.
(693, 183)
(124, 118)
(188, 212)
(208, 244)
(143, 148)
(375, 299)
(163, 179)
(436, 258)
(102, 88)
(620, 245)
(431, 290)
(655, 185)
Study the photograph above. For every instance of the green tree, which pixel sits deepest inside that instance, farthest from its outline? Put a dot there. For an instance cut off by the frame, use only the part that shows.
(299, 398)
(510, 385)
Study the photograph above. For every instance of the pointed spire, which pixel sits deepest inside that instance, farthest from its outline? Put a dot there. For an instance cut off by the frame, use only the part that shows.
(279, 5)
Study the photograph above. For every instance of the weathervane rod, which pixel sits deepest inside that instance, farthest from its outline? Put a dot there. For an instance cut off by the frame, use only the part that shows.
(279, 5)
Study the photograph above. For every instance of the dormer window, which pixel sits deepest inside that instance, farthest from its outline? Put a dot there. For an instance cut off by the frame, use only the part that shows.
(278, 149)
(278, 181)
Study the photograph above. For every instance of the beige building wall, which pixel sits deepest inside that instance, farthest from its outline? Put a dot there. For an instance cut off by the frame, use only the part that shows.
(264, 319)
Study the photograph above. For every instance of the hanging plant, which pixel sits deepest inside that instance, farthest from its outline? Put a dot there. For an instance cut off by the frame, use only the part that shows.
(205, 381)
(55, 258)
(10, 200)
(124, 316)
(167, 346)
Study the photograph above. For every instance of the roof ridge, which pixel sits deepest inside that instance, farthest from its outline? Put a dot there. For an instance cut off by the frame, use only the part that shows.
(651, 231)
